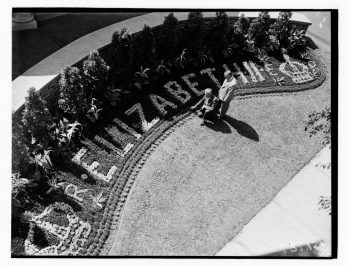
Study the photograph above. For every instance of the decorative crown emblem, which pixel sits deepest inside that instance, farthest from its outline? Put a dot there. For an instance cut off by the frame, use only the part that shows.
(298, 72)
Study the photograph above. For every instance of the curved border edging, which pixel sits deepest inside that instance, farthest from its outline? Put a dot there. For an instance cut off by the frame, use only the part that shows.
(104, 239)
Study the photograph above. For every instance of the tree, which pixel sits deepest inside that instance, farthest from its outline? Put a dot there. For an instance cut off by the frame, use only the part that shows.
(95, 72)
(192, 36)
(145, 47)
(239, 32)
(72, 94)
(168, 44)
(20, 149)
(280, 31)
(123, 53)
(258, 36)
(36, 117)
(217, 34)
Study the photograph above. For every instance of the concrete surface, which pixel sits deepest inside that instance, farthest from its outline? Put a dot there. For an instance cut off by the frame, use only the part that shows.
(292, 220)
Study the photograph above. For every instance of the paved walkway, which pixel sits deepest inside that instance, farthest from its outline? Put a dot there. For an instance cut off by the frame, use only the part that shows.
(292, 220)
(29, 47)
(46, 70)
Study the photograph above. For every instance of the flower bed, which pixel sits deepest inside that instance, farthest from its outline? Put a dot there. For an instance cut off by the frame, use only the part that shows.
(102, 170)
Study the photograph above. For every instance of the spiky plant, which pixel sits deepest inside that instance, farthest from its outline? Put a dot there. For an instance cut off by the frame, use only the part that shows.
(98, 199)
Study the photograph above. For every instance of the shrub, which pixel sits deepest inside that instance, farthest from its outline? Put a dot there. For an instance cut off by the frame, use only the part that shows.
(239, 31)
(122, 54)
(216, 36)
(168, 44)
(320, 122)
(280, 31)
(20, 149)
(72, 94)
(95, 72)
(36, 117)
(145, 47)
(192, 36)
(297, 40)
(258, 36)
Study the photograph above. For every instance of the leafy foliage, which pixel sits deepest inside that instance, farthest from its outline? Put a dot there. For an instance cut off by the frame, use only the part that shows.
(95, 72)
(94, 111)
(36, 117)
(72, 93)
(64, 132)
(320, 122)
(297, 40)
(123, 51)
(20, 186)
(239, 32)
(192, 36)
(283, 34)
(145, 47)
(20, 148)
(162, 69)
(217, 34)
(182, 59)
(325, 203)
(141, 77)
(168, 43)
(98, 199)
(258, 36)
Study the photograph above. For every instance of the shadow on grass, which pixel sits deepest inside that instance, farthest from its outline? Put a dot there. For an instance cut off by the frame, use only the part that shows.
(219, 125)
(242, 128)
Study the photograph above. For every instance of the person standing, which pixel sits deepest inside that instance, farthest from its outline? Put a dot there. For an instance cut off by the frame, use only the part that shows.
(226, 92)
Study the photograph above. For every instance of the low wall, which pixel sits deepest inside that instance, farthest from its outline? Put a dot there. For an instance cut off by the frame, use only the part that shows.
(48, 86)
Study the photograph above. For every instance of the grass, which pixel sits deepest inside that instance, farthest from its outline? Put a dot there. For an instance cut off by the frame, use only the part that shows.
(202, 185)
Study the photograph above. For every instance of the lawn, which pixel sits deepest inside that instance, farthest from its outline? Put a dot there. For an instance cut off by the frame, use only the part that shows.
(202, 185)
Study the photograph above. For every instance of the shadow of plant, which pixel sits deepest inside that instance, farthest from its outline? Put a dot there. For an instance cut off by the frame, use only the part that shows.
(242, 128)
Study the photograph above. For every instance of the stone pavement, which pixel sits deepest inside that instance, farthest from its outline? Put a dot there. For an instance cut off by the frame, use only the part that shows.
(292, 223)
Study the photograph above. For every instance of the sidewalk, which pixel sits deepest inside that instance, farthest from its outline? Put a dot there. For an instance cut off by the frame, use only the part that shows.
(291, 224)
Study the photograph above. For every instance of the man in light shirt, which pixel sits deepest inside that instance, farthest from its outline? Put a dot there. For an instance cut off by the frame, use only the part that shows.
(226, 92)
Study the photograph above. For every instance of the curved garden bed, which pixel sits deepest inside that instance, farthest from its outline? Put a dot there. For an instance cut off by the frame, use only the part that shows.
(138, 112)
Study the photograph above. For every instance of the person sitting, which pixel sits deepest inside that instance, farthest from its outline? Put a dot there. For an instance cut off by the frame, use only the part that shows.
(209, 105)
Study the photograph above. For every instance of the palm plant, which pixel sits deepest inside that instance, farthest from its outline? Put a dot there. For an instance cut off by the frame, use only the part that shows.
(64, 132)
(262, 56)
(181, 60)
(19, 189)
(44, 160)
(72, 129)
(98, 199)
(304, 55)
(94, 110)
(279, 81)
(162, 69)
(112, 94)
(141, 77)
(55, 185)
(297, 39)
(202, 56)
